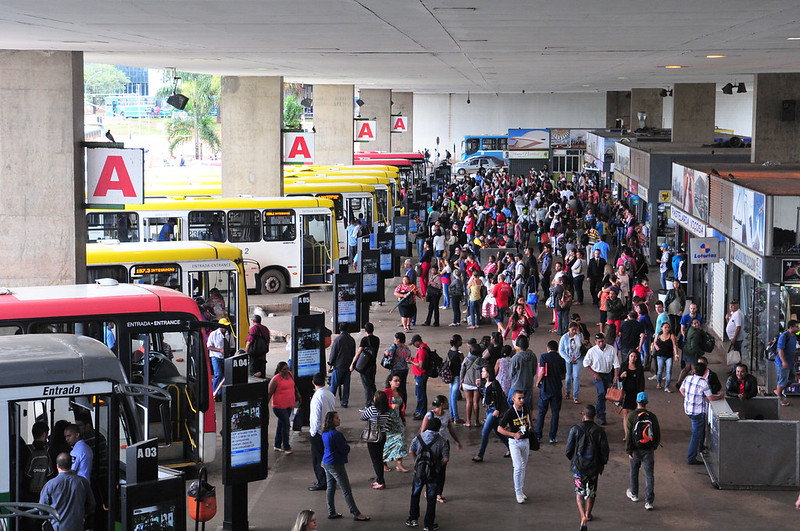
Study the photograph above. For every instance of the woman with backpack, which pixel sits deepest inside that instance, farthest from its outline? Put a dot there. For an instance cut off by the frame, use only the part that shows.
(447, 432)
(470, 374)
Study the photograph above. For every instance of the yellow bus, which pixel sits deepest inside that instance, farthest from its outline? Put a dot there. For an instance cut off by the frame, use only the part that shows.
(384, 199)
(192, 267)
(345, 173)
(286, 242)
(350, 201)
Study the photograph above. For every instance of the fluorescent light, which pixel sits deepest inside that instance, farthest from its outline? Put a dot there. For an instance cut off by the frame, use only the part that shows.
(715, 56)
(793, 38)
(673, 66)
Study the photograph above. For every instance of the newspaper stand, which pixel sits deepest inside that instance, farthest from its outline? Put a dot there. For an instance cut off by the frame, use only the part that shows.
(244, 438)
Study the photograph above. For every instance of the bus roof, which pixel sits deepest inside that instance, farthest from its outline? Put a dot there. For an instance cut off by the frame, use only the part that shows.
(396, 164)
(333, 187)
(382, 155)
(90, 300)
(114, 252)
(206, 203)
(323, 177)
(67, 357)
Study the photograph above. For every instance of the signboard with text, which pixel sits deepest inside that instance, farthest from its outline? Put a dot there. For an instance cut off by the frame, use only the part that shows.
(703, 250)
(399, 124)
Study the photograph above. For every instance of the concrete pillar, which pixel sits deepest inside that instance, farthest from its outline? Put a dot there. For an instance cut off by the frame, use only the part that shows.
(618, 107)
(42, 176)
(252, 151)
(693, 112)
(378, 105)
(333, 121)
(649, 101)
(403, 105)
(776, 129)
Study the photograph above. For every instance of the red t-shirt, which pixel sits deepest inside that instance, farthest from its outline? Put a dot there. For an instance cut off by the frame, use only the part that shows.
(421, 358)
(501, 292)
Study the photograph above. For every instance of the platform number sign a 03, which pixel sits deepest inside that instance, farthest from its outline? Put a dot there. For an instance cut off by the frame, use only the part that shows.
(149, 452)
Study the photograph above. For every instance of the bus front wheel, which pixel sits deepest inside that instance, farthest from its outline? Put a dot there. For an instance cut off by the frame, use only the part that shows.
(272, 281)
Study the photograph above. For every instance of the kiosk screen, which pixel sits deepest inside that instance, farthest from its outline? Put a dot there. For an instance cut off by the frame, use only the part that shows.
(158, 517)
(245, 433)
(308, 342)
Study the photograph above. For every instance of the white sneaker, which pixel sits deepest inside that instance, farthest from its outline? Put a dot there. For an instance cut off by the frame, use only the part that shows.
(631, 495)
(653, 377)
(648, 506)
(520, 498)
(525, 496)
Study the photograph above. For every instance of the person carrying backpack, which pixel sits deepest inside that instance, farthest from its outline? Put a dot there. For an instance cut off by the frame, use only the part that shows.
(39, 469)
(587, 450)
(430, 452)
(644, 438)
(257, 347)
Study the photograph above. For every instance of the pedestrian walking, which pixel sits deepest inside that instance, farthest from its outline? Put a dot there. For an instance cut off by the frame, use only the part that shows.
(336, 450)
(644, 436)
(587, 449)
(517, 425)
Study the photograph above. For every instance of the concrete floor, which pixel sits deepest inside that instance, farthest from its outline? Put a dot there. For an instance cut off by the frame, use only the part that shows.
(481, 495)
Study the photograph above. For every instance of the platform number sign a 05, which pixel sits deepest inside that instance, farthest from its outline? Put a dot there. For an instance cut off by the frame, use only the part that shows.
(114, 176)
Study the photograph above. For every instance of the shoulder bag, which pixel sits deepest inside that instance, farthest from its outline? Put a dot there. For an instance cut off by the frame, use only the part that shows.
(371, 433)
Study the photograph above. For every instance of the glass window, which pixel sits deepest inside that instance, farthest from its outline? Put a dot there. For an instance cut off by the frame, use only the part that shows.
(117, 272)
(116, 226)
(244, 226)
(488, 144)
(502, 143)
(383, 204)
(279, 226)
(167, 275)
(208, 225)
(472, 145)
(337, 203)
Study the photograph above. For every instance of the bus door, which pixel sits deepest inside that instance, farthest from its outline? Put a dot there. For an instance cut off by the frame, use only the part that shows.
(153, 227)
(317, 257)
(98, 419)
(360, 207)
(383, 204)
(224, 302)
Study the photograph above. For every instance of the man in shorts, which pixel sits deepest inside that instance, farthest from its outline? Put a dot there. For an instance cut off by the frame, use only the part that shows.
(587, 450)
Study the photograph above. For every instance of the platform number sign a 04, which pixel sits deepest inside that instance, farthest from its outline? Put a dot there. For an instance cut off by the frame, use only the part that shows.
(114, 176)
(365, 130)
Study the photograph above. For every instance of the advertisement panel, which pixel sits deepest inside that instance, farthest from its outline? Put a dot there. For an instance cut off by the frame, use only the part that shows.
(690, 191)
(622, 160)
(568, 138)
(703, 250)
(596, 146)
(528, 140)
(748, 218)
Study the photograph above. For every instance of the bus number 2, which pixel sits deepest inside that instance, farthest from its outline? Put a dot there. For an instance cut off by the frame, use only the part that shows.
(246, 250)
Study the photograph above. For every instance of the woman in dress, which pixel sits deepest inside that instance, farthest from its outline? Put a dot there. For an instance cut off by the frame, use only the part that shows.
(395, 447)
(631, 375)
(378, 412)
(456, 291)
(496, 404)
(406, 293)
(447, 432)
(518, 324)
(665, 347)
(469, 375)
(333, 461)
(283, 394)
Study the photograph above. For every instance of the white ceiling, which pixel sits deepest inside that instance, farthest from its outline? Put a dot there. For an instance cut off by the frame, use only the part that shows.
(425, 45)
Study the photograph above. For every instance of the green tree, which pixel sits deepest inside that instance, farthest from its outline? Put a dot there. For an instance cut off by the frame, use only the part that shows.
(197, 124)
(292, 111)
(102, 79)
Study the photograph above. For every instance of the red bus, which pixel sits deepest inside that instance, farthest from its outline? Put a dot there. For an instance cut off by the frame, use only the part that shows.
(417, 161)
(158, 338)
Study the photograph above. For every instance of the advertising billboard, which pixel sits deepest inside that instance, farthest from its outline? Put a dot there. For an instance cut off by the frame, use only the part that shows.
(528, 139)
(748, 218)
(690, 191)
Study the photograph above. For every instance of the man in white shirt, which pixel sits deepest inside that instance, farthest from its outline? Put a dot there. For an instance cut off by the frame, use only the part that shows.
(734, 329)
(216, 351)
(602, 362)
(322, 402)
(663, 264)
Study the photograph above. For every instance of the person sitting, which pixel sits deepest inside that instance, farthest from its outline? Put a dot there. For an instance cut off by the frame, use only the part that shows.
(741, 384)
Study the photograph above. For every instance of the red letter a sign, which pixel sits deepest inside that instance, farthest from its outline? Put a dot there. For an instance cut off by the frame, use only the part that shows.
(114, 176)
(366, 130)
(298, 147)
(114, 164)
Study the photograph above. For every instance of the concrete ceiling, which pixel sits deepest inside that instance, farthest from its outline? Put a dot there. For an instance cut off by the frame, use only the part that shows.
(425, 45)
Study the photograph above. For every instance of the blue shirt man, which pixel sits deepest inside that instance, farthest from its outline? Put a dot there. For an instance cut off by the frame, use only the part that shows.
(167, 230)
(108, 336)
(603, 247)
(70, 494)
(785, 359)
(82, 455)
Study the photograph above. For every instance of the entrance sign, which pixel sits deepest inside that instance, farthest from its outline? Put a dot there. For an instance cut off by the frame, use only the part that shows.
(399, 124)
(115, 176)
(365, 130)
(298, 147)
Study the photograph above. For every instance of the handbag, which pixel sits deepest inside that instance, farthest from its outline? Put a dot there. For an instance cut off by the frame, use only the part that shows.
(733, 357)
(615, 394)
(371, 433)
(388, 358)
(534, 441)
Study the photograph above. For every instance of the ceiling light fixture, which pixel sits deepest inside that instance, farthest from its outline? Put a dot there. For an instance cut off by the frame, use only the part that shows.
(177, 100)
(673, 66)
(741, 89)
(793, 38)
(716, 56)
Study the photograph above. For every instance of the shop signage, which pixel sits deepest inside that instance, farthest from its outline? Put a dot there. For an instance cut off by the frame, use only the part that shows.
(747, 261)
(633, 186)
(644, 193)
(664, 196)
(621, 178)
(695, 226)
(529, 154)
(791, 271)
(703, 250)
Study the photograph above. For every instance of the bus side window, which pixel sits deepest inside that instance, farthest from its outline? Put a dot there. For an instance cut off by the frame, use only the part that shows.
(279, 226)
(244, 226)
(207, 225)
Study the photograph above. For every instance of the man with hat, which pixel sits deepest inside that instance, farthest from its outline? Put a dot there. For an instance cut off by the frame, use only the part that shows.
(663, 264)
(218, 341)
(641, 444)
(603, 363)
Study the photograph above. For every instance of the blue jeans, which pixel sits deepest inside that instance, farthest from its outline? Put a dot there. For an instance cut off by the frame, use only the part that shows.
(341, 378)
(421, 390)
(475, 312)
(639, 458)
(664, 369)
(528, 398)
(698, 435)
(574, 378)
(456, 306)
(430, 497)
(554, 403)
(445, 291)
(282, 428)
(454, 397)
(577, 283)
(218, 366)
(664, 280)
(490, 426)
(602, 385)
(563, 321)
(336, 474)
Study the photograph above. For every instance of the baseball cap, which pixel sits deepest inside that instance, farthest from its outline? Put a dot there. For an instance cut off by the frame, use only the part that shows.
(664, 245)
(224, 321)
(599, 336)
(642, 398)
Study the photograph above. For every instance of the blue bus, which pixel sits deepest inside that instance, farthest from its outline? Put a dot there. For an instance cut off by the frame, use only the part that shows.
(133, 106)
(485, 145)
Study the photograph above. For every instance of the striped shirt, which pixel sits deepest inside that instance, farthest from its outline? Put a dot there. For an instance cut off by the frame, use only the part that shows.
(371, 414)
(695, 388)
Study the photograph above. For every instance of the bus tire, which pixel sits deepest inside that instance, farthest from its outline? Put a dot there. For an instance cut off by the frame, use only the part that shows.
(272, 281)
(462, 171)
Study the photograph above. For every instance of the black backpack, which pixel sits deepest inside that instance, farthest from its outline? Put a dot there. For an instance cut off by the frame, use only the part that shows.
(586, 454)
(708, 342)
(40, 469)
(425, 470)
(366, 359)
(643, 431)
(259, 346)
(434, 364)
